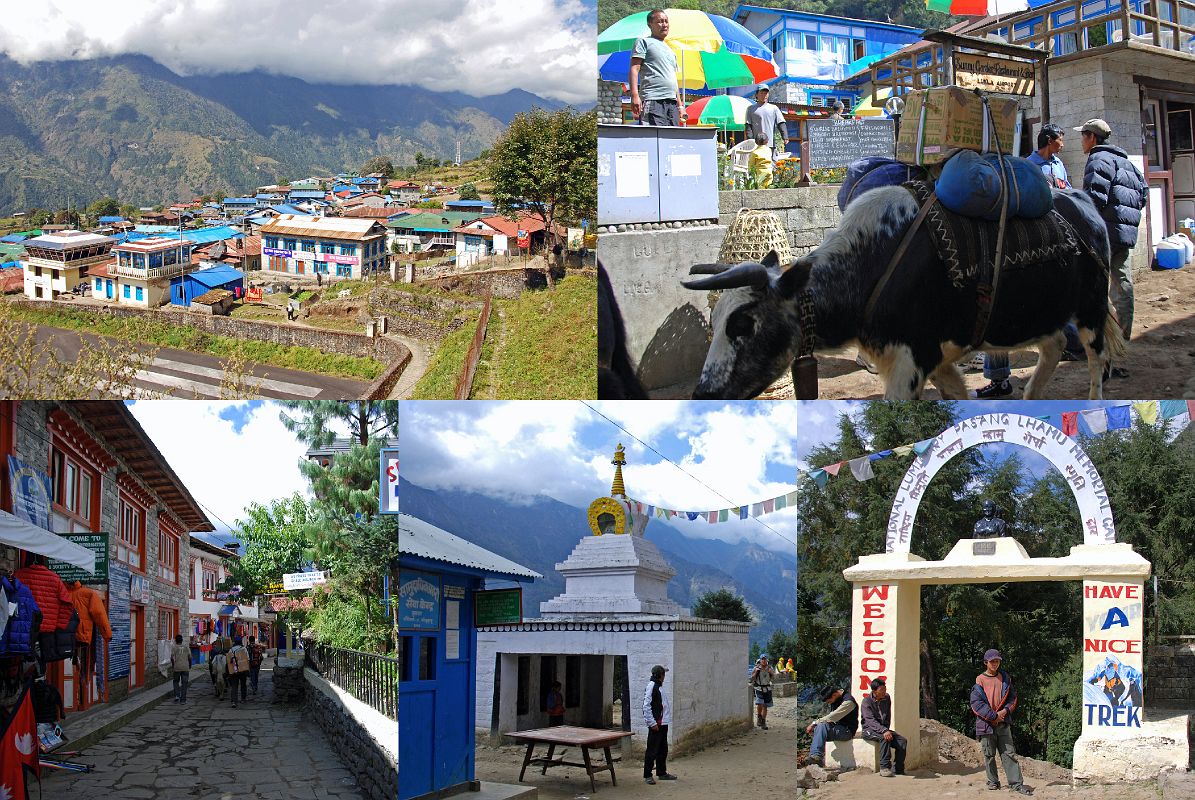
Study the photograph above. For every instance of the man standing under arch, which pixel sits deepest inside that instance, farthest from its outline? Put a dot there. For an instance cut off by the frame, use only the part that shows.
(993, 699)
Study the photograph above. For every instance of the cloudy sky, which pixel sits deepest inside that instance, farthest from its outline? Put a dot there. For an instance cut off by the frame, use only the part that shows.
(226, 454)
(729, 454)
(480, 47)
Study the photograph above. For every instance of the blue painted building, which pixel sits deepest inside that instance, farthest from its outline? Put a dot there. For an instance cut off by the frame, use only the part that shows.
(815, 53)
(240, 205)
(480, 206)
(186, 288)
(439, 575)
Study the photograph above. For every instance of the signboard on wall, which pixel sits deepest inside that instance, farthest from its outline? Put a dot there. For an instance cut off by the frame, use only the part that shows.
(418, 601)
(273, 251)
(991, 74)
(839, 142)
(120, 619)
(498, 607)
(30, 493)
(97, 543)
(388, 482)
(139, 589)
(1113, 683)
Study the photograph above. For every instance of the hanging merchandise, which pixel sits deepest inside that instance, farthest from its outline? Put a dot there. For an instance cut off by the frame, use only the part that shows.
(58, 611)
(23, 623)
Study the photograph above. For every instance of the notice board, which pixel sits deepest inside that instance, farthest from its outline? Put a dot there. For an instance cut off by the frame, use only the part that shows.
(498, 607)
(838, 142)
(118, 616)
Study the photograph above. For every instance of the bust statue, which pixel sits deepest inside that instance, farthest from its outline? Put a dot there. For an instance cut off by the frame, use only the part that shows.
(990, 526)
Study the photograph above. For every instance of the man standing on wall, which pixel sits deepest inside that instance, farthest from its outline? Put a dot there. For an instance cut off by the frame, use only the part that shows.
(763, 118)
(1119, 191)
(657, 715)
(655, 95)
(993, 699)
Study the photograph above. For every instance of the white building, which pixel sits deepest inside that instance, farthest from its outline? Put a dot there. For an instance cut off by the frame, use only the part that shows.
(212, 615)
(55, 263)
(142, 271)
(615, 617)
(343, 247)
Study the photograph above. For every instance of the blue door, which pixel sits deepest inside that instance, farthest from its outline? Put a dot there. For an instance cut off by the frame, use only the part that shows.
(110, 291)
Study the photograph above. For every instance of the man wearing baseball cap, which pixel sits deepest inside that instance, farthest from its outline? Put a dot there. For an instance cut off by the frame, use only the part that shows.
(763, 118)
(993, 699)
(1119, 191)
(657, 716)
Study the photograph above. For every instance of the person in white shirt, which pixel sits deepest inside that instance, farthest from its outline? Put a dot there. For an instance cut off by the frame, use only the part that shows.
(657, 716)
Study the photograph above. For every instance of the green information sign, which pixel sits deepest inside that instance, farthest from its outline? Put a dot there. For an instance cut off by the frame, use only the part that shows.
(498, 607)
(96, 543)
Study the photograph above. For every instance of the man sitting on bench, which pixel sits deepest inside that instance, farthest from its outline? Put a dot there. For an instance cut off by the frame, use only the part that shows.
(877, 721)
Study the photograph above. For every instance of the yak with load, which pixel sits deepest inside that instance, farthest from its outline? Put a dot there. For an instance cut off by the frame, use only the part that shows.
(916, 305)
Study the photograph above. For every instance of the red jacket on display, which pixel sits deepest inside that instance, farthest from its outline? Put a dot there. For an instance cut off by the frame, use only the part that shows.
(50, 593)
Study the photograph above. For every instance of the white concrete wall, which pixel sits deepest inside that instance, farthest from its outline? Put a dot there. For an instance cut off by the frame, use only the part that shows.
(713, 669)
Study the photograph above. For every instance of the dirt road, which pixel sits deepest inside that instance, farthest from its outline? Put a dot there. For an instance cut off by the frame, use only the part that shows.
(756, 764)
(1161, 359)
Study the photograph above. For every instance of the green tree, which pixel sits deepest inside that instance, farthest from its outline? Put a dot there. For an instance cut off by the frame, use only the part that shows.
(276, 542)
(469, 192)
(381, 164)
(129, 211)
(37, 217)
(104, 207)
(544, 163)
(722, 604)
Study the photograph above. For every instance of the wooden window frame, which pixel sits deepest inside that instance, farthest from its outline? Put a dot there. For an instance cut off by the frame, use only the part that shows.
(166, 535)
(128, 503)
(171, 614)
(82, 465)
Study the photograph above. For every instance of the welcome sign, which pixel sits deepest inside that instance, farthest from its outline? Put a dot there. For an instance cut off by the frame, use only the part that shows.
(1112, 661)
(418, 601)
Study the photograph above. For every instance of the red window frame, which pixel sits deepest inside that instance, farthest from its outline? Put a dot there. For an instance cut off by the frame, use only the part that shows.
(131, 509)
(170, 541)
(69, 466)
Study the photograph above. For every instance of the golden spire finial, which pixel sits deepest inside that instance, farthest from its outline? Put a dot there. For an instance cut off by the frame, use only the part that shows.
(620, 458)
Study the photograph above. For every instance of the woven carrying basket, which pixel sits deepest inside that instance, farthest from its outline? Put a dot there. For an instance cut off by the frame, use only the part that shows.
(752, 235)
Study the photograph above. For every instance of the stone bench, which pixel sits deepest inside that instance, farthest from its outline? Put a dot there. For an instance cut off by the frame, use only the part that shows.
(859, 753)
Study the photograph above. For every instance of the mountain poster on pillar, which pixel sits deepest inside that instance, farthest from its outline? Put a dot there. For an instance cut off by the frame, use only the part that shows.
(1112, 667)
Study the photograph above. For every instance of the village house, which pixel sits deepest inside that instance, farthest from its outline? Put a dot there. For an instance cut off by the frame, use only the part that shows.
(243, 253)
(113, 493)
(240, 205)
(497, 235)
(212, 615)
(191, 287)
(480, 206)
(142, 271)
(335, 246)
(428, 230)
(382, 213)
(405, 191)
(371, 199)
(57, 262)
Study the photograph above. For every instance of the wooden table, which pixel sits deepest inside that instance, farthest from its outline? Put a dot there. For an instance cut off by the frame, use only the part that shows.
(585, 738)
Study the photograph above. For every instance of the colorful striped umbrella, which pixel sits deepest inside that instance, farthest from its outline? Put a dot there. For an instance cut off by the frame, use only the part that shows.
(726, 111)
(977, 8)
(712, 52)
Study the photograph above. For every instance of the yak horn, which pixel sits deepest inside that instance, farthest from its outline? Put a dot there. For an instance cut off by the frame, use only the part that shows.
(708, 269)
(746, 274)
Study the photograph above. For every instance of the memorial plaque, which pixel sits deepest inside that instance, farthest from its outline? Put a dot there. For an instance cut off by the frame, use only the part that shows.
(498, 607)
(983, 548)
(838, 142)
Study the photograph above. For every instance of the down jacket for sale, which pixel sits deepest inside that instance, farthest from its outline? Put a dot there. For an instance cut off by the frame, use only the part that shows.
(92, 613)
(22, 627)
(1119, 191)
(51, 595)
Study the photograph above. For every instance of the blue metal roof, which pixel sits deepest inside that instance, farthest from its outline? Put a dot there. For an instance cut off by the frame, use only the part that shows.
(216, 234)
(289, 209)
(265, 196)
(12, 238)
(131, 236)
(365, 180)
(107, 220)
(469, 203)
(310, 194)
(215, 277)
(423, 540)
(240, 200)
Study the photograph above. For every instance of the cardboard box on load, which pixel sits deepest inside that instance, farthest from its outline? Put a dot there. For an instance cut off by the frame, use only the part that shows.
(943, 119)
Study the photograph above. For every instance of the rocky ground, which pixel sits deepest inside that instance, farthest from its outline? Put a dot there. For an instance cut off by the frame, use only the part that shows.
(1161, 357)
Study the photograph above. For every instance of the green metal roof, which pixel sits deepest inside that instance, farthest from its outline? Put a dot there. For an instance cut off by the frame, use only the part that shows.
(434, 220)
(11, 250)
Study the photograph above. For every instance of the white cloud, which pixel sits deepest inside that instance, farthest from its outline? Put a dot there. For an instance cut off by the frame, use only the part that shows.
(480, 47)
(225, 470)
(521, 451)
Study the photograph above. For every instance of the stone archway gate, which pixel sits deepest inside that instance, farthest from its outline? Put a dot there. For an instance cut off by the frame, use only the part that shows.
(886, 618)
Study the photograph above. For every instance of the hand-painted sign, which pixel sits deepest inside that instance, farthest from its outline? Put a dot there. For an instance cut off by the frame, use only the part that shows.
(119, 617)
(1063, 452)
(1112, 660)
(418, 601)
(254, 295)
(498, 607)
(524, 239)
(1003, 75)
(872, 647)
(388, 482)
(30, 493)
(96, 543)
(139, 589)
(294, 581)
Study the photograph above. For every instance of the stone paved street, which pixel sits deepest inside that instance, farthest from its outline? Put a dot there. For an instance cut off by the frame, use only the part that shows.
(211, 751)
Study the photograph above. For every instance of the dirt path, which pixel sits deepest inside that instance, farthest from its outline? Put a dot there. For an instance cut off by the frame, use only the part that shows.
(1161, 359)
(420, 357)
(497, 319)
(756, 764)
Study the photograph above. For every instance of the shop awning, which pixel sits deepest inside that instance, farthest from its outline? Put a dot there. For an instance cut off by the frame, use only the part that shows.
(25, 536)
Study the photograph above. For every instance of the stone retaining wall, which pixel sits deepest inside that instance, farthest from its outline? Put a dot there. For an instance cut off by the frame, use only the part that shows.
(357, 733)
(808, 213)
(507, 283)
(609, 105)
(386, 351)
(1168, 675)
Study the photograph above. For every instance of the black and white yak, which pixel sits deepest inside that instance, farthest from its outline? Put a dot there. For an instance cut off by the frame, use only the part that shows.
(922, 325)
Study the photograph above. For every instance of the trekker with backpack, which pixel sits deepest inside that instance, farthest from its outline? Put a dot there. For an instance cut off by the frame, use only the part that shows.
(218, 669)
(238, 670)
(255, 656)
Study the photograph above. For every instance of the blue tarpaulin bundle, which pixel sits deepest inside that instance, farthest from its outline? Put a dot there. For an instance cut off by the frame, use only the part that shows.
(970, 185)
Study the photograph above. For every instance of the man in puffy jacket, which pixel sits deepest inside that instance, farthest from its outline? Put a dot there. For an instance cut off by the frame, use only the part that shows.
(1119, 191)
(993, 701)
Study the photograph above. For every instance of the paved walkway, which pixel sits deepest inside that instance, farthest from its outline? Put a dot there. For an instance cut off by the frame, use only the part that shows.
(209, 750)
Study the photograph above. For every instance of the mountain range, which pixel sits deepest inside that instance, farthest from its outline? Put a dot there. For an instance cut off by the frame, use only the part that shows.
(541, 534)
(128, 127)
